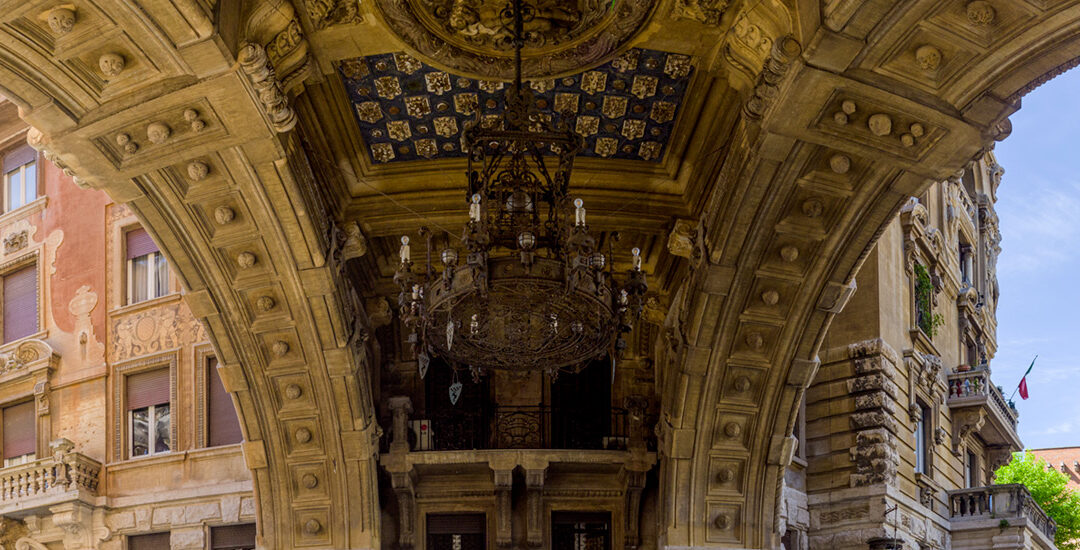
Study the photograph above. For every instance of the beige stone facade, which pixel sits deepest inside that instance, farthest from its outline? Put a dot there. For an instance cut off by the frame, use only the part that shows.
(85, 485)
(762, 154)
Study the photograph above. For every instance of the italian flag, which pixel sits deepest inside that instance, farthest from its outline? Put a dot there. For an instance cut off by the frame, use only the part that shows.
(1023, 381)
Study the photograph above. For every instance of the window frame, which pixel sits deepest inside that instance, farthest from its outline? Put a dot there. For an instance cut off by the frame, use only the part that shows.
(22, 459)
(971, 469)
(151, 431)
(121, 424)
(38, 177)
(153, 291)
(924, 453)
(10, 268)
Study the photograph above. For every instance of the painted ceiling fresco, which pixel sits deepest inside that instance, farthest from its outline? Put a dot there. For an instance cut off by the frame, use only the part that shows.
(625, 109)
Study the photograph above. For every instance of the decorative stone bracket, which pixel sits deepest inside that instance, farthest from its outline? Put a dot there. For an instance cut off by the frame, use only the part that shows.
(966, 422)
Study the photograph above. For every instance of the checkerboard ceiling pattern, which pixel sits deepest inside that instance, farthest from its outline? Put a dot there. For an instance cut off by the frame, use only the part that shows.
(625, 109)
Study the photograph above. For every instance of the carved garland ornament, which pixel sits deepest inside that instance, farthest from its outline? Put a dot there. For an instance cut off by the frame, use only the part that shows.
(474, 36)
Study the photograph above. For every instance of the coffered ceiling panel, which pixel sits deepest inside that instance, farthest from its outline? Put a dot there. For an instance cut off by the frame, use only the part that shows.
(409, 111)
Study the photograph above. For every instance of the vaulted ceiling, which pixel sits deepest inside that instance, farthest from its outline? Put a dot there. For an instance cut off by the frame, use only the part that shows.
(238, 132)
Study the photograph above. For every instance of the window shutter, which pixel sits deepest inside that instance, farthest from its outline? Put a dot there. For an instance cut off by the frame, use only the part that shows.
(19, 157)
(19, 430)
(20, 304)
(157, 541)
(139, 243)
(222, 423)
(147, 388)
(232, 537)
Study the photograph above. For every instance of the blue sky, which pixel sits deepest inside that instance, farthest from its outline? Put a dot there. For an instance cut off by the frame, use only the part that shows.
(1039, 267)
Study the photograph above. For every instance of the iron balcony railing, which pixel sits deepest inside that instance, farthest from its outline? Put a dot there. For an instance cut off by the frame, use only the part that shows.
(536, 427)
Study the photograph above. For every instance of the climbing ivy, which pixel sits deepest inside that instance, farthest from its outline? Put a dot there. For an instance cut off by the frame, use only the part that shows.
(924, 292)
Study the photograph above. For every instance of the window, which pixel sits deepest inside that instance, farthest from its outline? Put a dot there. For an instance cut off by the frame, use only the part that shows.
(922, 440)
(971, 470)
(967, 263)
(222, 426)
(147, 270)
(20, 178)
(455, 532)
(148, 413)
(156, 541)
(578, 530)
(233, 537)
(20, 434)
(20, 304)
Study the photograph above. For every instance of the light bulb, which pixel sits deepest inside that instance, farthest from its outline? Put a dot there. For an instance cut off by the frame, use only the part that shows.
(636, 262)
(474, 208)
(405, 252)
(579, 212)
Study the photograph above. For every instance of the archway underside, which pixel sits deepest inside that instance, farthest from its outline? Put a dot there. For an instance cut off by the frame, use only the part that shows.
(798, 138)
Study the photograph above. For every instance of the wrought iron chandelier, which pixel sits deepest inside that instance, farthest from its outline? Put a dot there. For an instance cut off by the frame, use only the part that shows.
(535, 292)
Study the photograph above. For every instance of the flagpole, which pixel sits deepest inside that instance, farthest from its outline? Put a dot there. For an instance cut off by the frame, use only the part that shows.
(1023, 377)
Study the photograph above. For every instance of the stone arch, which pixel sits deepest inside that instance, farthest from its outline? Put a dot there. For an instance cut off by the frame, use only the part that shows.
(724, 455)
(191, 140)
(796, 207)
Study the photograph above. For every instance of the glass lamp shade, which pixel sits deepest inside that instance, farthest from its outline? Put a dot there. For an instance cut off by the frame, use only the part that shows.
(526, 240)
(449, 257)
(597, 261)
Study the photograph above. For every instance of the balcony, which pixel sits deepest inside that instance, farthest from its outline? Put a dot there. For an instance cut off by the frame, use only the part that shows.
(502, 427)
(979, 405)
(999, 516)
(65, 476)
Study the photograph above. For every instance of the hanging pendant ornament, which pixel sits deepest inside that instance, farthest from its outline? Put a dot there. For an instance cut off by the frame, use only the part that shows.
(455, 392)
(449, 334)
(422, 362)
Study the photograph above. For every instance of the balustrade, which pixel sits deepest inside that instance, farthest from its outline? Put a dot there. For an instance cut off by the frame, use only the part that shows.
(57, 475)
(505, 427)
(999, 502)
(975, 383)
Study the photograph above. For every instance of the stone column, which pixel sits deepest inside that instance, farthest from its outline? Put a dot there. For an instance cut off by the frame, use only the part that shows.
(400, 407)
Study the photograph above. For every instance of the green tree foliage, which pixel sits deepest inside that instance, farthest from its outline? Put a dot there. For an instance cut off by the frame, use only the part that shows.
(1049, 489)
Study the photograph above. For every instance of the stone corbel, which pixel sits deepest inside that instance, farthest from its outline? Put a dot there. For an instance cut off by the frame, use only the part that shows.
(836, 296)
(256, 65)
(686, 240)
(77, 520)
(635, 483)
(534, 524)
(927, 489)
(965, 423)
(274, 27)
(997, 456)
(403, 484)
(504, 478)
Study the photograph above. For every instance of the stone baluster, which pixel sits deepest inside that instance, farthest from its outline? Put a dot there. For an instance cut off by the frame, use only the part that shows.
(400, 408)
